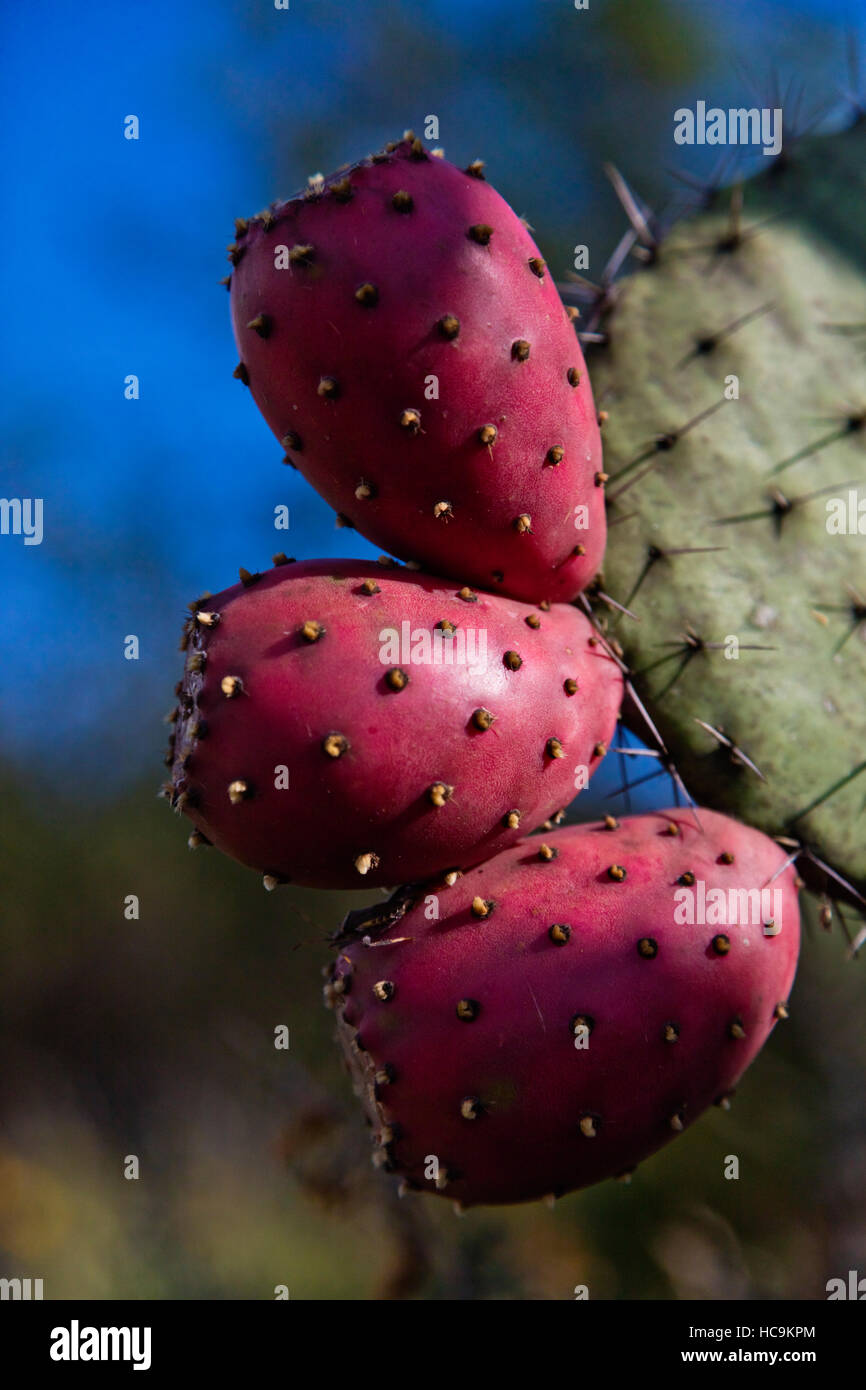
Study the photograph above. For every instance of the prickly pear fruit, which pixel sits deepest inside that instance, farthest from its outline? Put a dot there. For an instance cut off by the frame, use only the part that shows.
(402, 337)
(344, 723)
(575, 1004)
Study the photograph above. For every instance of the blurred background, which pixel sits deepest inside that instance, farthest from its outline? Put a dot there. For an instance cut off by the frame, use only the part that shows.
(153, 1036)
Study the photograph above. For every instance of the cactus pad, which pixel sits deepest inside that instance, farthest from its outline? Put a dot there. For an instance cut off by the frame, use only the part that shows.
(762, 293)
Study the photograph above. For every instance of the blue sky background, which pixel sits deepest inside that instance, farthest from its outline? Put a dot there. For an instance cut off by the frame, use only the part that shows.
(113, 250)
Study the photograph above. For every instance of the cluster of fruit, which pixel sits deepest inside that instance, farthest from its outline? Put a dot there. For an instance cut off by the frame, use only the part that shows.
(530, 1013)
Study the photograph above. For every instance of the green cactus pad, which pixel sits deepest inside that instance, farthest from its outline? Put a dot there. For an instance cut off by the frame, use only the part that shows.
(775, 297)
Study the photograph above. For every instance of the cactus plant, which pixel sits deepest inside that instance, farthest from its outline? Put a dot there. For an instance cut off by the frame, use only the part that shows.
(731, 381)
(732, 369)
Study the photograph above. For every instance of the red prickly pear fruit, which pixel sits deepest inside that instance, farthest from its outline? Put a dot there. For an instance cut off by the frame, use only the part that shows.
(598, 1012)
(342, 724)
(402, 337)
